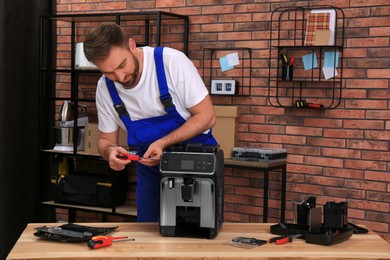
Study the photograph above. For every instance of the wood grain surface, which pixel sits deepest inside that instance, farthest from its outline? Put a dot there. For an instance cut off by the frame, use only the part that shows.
(149, 244)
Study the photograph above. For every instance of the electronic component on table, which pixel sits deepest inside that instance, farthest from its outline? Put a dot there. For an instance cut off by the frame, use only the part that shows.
(250, 241)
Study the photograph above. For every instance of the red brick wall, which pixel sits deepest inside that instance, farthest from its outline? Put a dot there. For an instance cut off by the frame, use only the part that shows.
(336, 155)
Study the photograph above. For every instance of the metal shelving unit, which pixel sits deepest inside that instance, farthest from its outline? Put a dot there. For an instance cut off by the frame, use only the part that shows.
(60, 80)
(287, 35)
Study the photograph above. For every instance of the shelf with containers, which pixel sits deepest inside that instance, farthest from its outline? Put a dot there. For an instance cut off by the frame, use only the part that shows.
(306, 57)
(62, 82)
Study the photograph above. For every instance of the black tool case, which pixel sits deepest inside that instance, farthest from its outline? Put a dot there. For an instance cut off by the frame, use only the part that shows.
(258, 154)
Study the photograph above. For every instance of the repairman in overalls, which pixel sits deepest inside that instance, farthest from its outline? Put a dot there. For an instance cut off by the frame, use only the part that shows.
(157, 95)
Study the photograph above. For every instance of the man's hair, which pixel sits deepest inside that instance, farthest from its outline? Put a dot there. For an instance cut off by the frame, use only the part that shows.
(99, 41)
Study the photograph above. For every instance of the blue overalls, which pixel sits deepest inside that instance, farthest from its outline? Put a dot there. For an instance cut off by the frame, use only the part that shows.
(141, 133)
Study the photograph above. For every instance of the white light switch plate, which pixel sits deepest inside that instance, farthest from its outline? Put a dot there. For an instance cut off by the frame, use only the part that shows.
(223, 87)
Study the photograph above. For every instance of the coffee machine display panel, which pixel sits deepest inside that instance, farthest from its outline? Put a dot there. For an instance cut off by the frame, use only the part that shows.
(191, 163)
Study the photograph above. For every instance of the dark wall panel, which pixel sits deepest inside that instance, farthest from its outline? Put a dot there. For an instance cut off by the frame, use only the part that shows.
(19, 31)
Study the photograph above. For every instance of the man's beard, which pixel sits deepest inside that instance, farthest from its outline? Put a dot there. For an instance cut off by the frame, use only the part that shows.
(133, 76)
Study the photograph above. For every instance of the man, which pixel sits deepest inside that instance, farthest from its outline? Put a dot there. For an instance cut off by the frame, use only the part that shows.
(157, 95)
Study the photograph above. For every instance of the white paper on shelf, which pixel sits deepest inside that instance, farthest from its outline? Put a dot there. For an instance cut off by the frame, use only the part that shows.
(329, 72)
(233, 59)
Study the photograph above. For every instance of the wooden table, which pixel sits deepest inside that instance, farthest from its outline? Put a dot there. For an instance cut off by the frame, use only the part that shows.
(149, 244)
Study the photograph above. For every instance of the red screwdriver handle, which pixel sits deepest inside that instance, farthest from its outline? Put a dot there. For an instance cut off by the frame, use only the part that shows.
(131, 157)
(283, 240)
(100, 241)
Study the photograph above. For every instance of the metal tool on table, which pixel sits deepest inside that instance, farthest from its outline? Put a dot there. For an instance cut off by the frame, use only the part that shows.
(103, 241)
(250, 241)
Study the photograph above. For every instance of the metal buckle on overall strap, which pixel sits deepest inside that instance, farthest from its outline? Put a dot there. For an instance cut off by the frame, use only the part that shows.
(166, 100)
(121, 109)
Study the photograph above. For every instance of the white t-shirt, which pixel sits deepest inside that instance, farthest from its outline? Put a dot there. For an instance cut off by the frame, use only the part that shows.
(143, 101)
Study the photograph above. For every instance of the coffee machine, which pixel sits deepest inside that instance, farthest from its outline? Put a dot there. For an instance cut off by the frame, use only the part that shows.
(191, 191)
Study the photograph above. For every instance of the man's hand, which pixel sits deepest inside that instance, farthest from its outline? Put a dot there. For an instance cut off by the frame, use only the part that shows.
(114, 162)
(109, 149)
(154, 151)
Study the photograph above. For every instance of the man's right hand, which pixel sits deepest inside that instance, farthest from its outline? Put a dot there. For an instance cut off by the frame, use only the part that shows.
(109, 149)
(116, 163)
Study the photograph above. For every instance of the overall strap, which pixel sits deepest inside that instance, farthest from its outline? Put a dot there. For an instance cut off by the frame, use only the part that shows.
(118, 104)
(165, 97)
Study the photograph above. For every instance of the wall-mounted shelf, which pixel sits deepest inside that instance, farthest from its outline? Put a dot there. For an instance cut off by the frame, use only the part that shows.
(315, 78)
(241, 73)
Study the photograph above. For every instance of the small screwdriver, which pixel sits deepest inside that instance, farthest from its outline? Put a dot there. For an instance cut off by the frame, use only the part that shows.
(283, 239)
(102, 241)
(133, 157)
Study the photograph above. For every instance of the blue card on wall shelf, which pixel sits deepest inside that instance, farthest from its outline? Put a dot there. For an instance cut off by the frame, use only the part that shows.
(225, 64)
(310, 61)
(229, 61)
(331, 59)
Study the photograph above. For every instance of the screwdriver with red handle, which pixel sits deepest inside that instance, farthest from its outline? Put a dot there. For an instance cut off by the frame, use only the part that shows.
(283, 239)
(129, 156)
(102, 241)
(133, 157)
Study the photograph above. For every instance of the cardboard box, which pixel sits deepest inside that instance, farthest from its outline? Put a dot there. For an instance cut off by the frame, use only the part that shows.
(92, 135)
(225, 130)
